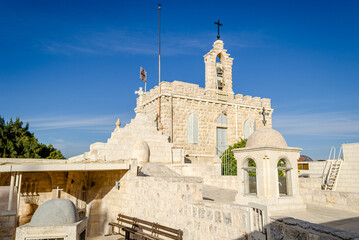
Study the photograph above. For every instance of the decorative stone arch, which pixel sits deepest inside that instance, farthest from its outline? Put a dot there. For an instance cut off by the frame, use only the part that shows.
(249, 175)
(284, 173)
(221, 119)
(192, 127)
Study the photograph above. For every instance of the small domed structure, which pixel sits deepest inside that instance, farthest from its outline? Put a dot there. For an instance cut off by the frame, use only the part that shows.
(55, 212)
(266, 137)
(141, 151)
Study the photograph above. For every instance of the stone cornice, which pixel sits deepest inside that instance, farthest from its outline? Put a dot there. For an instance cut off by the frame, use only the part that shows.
(271, 148)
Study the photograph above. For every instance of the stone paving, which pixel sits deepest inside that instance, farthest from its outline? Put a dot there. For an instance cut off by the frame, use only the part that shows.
(330, 217)
(216, 194)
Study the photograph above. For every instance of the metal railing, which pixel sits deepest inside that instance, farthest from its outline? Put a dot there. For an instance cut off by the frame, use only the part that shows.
(258, 221)
(228, 162)
(331, 170)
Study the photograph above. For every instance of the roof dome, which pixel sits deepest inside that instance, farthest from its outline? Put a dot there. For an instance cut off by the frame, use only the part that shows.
(266, 137)
(55, 212)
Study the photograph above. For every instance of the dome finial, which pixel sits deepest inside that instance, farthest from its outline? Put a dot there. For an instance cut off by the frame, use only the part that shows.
(118, 123)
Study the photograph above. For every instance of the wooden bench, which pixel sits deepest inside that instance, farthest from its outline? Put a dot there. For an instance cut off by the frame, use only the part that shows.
(134, 227)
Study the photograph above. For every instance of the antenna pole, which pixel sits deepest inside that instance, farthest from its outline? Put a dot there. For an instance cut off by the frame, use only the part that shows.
(159, 61)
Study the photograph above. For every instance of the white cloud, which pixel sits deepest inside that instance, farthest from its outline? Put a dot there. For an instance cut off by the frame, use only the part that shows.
(95, 123)
(112, 42)
(331, 124)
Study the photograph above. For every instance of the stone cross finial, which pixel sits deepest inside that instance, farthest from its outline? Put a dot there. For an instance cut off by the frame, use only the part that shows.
(140, 93)
(264, 114)
(58, 190)
(219, 24)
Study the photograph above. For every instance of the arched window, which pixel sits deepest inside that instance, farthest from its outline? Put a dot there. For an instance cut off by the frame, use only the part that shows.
(219, 73)
(284, 178)
(222, 119)
(192, 128)
(247, 129)
(250, 176)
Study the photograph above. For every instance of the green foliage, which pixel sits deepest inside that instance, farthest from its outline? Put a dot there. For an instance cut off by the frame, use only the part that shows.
(17, 142)
(231, 166)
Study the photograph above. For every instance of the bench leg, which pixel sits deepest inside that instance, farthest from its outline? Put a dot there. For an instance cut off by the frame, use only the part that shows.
(127, 236)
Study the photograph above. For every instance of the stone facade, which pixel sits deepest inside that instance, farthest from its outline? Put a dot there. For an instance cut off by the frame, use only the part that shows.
(180, 99)
(348, 180)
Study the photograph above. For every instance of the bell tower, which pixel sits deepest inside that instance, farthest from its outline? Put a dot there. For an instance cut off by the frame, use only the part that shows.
(218, 70)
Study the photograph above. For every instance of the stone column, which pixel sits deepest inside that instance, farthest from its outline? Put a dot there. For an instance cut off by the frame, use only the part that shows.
(11, 192)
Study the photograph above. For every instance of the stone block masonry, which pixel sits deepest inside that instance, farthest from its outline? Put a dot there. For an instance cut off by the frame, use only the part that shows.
(176, 202)
(180, 99)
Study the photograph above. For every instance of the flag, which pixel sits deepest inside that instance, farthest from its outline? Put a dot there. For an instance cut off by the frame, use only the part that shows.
(143, 74)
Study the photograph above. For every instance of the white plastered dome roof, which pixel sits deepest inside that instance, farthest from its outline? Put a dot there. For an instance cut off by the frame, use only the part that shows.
(266, 137)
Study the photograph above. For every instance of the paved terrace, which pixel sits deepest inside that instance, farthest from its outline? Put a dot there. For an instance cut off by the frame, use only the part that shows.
(329, 217)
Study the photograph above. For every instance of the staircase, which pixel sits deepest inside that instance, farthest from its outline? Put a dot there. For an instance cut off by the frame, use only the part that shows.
(330, 180)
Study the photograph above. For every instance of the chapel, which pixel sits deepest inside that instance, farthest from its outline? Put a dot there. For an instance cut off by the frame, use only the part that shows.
(205, 121)
(165, 167)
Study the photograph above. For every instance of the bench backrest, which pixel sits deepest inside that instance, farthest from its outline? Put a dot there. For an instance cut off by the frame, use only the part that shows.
(154, 228)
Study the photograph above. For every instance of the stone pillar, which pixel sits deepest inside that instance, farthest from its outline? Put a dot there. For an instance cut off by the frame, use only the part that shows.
(11, 192)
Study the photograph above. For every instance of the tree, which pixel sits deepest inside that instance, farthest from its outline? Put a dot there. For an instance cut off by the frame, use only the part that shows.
(229, 163)
(17, 141)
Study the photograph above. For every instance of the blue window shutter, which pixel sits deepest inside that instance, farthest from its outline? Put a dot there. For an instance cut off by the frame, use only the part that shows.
(195, 128)
(247, 129)
(190, 128)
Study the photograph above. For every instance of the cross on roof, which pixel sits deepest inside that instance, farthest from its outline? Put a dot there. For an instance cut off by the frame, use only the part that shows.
(264, 114)
(58, 190)
(219, 24)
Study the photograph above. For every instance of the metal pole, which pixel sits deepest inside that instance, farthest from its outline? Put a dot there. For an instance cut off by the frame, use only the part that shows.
(11, 192)
(159, 61)
(171, 118)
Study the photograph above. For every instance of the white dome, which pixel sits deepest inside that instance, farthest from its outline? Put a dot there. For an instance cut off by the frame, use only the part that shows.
(55, 212)
(266, 137)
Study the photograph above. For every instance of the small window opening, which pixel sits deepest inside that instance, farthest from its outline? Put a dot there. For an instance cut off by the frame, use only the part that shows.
(250, 177)
(284, 178)
(219, 72)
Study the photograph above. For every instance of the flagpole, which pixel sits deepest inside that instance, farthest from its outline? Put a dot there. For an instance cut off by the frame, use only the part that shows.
(159, 61)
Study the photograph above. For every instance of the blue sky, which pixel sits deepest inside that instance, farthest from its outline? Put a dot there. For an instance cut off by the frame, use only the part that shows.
(70, 68)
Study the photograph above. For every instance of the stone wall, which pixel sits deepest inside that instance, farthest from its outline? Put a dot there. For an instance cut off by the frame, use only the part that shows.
(123, 142)
(176, 202)
(290, 228)
(310, 191)
(229, 182)
(190, 98)
(315, 168)
(348, 180)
